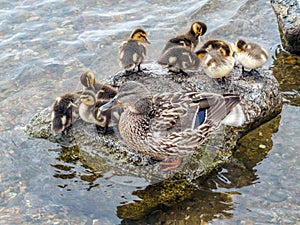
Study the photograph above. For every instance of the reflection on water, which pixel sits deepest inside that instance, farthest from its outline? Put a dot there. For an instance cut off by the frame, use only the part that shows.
(45, 45)
(286, 69)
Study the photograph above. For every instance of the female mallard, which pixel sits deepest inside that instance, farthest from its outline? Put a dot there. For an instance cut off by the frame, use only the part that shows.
(64, 112)
(170, 124)
(189, 39)
(250, 55)
(132, 52)
(216, 58)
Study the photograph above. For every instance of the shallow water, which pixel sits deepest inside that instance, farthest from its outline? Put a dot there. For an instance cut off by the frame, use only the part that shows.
(45, 46)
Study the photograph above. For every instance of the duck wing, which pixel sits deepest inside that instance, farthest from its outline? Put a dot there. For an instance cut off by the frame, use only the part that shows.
(175, 112)
(200, 114)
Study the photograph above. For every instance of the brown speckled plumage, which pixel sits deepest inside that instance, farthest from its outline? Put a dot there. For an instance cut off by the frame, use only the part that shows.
(168, 123)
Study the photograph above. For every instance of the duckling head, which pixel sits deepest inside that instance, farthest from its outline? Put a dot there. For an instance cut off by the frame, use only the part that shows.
(139, 35)
(213, 44)
(240, 46)
(131, 95)
(198, 29)
(88, 98)
(225, 50)
(87, 79)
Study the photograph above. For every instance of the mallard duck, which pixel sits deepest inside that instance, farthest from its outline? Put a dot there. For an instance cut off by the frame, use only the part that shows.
(216, 58)
(189, 39)
(250, 55)
(132, 52)
(178, 59)
(64, 112)
(170, 124)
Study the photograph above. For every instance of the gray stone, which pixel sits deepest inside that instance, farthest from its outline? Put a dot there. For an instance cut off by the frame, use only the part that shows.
(288, 17)
(261, 101)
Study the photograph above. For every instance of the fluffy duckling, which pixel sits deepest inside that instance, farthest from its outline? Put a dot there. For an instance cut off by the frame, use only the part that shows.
(88, 81)
(216, 58)
(178, 58)
(90, 103)
(217, 44)
(88, 111)
(189, 39)
(132, 52)
(250, 55)
(64, 112)
(105, 92)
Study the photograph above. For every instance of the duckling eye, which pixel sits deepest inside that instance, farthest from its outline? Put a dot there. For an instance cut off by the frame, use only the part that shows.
(142, 36)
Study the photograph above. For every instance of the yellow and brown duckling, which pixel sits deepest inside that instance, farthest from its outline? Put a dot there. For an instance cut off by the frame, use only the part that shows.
(132, 52)
(88, 81)
(178, 59)
(217, 44)
(216, 58)
(88, 111)
(170, 125)
(189, 39)
(64, 112)
(94, 96)
(250, 55)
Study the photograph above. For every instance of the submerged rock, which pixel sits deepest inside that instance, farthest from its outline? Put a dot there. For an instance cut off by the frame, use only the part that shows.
(261, 101)
(288, 17)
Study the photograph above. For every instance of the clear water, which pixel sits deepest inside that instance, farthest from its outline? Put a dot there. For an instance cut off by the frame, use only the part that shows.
(45, 45)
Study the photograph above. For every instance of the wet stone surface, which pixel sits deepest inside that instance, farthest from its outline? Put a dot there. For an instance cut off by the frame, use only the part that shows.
(261, 100)
(288, 17)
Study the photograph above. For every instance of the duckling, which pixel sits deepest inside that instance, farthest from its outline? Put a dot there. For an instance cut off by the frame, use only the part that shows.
(250, 55)
(217, 59)
(132, 52)
(106, 93)
(178, 58)
(189, 39)
(217, 44)
(88, 109)
(88, 80)
(102, 91)
(64, 112)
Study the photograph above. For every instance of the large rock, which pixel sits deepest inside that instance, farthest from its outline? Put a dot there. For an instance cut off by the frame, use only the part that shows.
(288, 17)
(261, 100)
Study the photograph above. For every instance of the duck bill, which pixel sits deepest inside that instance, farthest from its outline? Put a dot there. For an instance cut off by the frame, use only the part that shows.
(148, 42)
(109, 104)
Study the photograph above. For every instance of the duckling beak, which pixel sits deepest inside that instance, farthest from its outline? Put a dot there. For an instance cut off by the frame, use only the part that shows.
(148, 42)
(108, 105)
